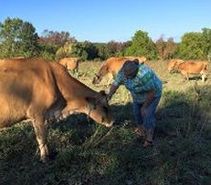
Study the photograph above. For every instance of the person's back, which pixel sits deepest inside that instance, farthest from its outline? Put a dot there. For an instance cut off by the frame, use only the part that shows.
(143, 81)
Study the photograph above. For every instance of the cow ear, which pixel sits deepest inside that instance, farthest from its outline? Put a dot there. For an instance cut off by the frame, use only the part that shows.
(92, 102)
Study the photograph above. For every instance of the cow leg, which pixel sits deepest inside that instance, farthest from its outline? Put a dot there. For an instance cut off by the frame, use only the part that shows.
(185, 74)
(203, 76)
(41, 137)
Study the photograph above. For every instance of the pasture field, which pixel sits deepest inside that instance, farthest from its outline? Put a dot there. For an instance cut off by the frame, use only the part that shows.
(85, 153)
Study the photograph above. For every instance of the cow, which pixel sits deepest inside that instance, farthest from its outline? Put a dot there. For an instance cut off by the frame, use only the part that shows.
(43, 92)
(192, 67)
(172, 64)
(141, 59)
(112, 66)
(71, 63)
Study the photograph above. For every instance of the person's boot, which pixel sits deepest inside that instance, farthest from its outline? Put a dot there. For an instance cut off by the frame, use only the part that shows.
(149, 138)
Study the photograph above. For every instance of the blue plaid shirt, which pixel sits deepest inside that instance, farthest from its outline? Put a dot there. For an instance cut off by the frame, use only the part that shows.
(144, 81)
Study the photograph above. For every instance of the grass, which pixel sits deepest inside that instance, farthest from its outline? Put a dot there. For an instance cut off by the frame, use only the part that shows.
(88, 154)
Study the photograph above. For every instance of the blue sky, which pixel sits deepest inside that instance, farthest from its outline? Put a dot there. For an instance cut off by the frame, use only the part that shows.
(106, 20)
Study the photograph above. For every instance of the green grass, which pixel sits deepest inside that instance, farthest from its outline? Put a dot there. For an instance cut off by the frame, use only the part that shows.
(86, 153)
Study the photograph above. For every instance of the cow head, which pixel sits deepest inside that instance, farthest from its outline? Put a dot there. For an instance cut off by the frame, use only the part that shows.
(99, 110)
(174, 64)
(98, 77)
(171, 66)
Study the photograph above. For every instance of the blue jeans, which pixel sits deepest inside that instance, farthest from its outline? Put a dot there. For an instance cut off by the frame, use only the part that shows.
(148, 120)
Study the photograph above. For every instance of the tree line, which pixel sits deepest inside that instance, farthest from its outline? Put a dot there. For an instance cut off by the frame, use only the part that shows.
(19, 38)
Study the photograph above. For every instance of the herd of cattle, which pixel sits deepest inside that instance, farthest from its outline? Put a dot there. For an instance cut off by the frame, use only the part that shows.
(112, 66)
(44, 91)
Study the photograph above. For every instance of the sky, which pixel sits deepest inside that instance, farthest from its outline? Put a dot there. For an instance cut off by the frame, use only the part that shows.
(106, 20)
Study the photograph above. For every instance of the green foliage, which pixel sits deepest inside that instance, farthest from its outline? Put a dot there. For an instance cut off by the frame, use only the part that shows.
(110, 49)
(17, 38)
(89, 51)
(47, 51)
(61, 53)
(55, 45)
(142, 45)
(206, 34)
(85, 50)
(192, 46)
(103, 51)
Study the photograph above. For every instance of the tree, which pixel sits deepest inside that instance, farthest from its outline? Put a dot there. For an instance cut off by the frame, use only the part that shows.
(54, 44)
(160, 46)
(91, 50)
(115, 48)
(18, 38)
(55, 38)
(142, 45)
(103, 51)
(112, 48)
(206, 35)
(191, 46)
(170, 48)
(85, 50)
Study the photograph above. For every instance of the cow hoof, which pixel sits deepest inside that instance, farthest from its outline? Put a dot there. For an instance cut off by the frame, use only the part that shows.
(49, 158)
(52, 155)
(44, 160)
(108, 125)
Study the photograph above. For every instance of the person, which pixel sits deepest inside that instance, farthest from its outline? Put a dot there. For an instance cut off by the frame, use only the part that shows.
(146, 89)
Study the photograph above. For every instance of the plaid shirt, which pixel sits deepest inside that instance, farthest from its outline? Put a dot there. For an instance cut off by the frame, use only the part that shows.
(144, 81)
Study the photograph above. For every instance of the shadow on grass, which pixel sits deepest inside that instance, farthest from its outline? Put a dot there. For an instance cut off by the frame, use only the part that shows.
(88, 153)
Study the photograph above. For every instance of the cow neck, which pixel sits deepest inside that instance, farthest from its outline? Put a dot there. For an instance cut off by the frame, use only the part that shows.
(81, 89)
(71, 87)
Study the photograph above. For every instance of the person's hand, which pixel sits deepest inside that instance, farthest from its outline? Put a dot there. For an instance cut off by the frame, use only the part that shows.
(101, 98)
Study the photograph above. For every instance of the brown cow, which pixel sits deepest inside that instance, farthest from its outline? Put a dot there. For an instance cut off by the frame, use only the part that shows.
(190, 67)
(44, 91)
(141, 59)
(71, 63)
(112, 66)
(173, 64)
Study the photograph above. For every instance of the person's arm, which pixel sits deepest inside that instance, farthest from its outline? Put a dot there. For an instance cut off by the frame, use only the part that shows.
(115, 85)
(112, 90)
